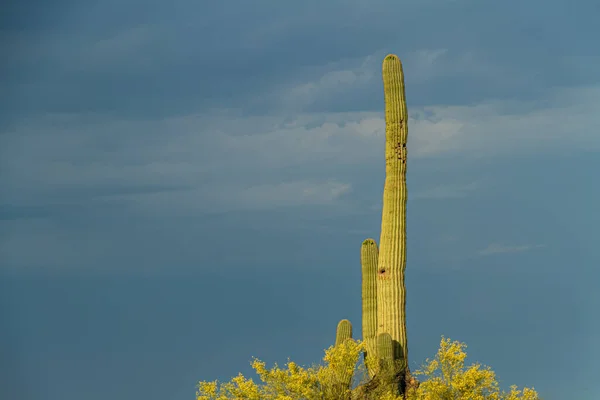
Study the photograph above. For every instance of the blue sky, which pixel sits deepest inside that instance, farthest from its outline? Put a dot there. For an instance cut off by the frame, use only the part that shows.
(186, 185)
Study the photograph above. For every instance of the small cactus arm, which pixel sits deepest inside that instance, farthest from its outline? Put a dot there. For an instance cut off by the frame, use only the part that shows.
(391, 291)
(385, 350)
(391, 365)
(343, 332)
(343, 381)
(368, 260)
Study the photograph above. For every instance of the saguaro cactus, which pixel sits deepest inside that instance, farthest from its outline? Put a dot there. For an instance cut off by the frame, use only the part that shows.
(343, 332)
(342, 381)
(383, 287)
(368, 259)
(391, 291)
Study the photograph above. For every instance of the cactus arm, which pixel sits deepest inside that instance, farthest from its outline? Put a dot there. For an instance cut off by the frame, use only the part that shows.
(385, 350)
(343, 332)
(368, 259)
(343, 381)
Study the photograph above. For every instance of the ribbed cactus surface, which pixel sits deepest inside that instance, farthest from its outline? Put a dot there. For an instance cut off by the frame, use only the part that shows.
(385, 349)
(391, 292)
(343, 378)
(343, 332)
(368, 259)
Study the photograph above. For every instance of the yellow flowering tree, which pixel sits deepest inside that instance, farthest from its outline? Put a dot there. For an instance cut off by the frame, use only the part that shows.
(445, 377)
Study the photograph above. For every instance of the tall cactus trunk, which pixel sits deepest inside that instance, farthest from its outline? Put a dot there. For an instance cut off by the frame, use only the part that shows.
(391, 290)
(383, 287)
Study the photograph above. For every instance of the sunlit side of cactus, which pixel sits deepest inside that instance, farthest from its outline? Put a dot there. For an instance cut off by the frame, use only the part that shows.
(391, 290)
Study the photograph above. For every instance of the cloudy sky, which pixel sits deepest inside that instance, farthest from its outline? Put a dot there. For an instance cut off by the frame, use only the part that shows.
(186, 185)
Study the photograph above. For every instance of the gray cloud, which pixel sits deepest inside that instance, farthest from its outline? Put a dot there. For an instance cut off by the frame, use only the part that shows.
(208, 158)
(157, 60)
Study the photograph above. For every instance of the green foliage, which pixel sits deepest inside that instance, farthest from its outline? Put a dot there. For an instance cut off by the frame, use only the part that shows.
(321, 382)
(445, 378)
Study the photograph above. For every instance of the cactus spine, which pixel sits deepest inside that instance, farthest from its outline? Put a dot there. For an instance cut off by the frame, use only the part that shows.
(368, 259)
(391, 291)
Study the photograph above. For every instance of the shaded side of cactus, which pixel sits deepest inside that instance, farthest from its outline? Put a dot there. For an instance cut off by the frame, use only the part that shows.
(368, 259)
(391, 291)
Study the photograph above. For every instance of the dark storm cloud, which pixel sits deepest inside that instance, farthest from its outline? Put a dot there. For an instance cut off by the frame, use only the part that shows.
(152, 58)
